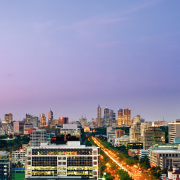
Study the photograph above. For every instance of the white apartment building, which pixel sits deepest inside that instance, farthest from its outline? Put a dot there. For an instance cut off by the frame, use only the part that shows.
(174, 130)
(18, 155)
(37, 137)
(62, 162)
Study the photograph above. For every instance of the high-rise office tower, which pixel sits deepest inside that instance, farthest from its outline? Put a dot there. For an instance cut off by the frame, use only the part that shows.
(34, 121)
(18, 127)
(8, 117)
(50, 117)
(120, 117)
(127, 117)
(42, 120)
(106, 116)
(99, 112)
(28, 118)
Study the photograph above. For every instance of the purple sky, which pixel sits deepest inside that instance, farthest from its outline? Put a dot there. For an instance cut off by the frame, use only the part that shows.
(71, 55)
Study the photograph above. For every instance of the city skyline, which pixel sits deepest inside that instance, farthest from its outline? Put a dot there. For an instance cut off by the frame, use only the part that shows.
(70, 56)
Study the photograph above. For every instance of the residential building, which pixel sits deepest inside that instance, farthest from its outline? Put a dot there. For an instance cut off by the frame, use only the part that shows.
(37, 137)
(9, 118)
(18, 156)
(5, 166)
(174, 130)
(119, 133)
(63, 162)
(152, 135)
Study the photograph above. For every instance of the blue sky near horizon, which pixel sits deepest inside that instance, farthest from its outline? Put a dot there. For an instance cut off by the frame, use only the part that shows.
(71, 55)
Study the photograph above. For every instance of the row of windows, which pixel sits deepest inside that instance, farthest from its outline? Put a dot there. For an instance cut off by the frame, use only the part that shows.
(79, 173)
(81, 168)
(44, 173)
(42, 168)
(62, 151)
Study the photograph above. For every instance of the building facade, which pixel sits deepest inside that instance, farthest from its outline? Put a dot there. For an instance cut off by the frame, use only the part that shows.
(18, 127)
(8, 118)
(50, 117)
(64, 162)
(174, 130)
(42, 120)
(135, 132)
(5, 166)
(63, 120)
(37, 137)
(152, 135)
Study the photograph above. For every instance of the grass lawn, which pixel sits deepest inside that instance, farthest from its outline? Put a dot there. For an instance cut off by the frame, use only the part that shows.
(19, 176)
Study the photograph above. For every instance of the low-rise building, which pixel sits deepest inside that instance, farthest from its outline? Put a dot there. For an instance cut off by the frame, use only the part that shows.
(174, 173)
(18, 156)
(124, 140)
(164, 158)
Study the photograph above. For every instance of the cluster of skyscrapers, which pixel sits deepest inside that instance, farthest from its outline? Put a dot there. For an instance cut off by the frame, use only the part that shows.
(109, 118)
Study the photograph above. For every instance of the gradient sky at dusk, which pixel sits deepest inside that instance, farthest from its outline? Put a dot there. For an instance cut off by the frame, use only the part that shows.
(71, 55)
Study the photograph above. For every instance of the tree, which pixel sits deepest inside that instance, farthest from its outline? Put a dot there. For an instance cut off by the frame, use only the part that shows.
(123, 175)
(144, 162)
(156, 171)
(164, 171)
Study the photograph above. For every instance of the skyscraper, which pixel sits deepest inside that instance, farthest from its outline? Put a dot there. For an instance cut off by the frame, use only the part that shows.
(8, 117)
(106, 116)
(28, 118)
(124, 117)
(127, 117)
(50, 117)
(99, 112)
(42, 120)
(120, 117)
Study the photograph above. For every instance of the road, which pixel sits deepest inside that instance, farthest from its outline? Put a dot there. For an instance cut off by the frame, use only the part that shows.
(133, 171)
